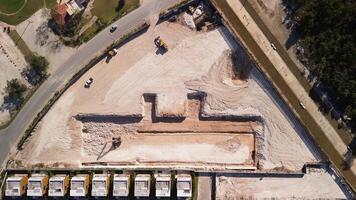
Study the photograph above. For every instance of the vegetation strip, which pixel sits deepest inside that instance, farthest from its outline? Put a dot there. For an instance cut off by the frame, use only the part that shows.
(286, 93)
(290, 63)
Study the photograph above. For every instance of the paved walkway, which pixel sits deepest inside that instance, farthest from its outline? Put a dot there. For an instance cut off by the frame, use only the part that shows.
(204, 187)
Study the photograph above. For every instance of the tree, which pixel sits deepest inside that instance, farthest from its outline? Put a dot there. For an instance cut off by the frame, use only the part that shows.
(39, 64)
(327, 30)
(15, 90)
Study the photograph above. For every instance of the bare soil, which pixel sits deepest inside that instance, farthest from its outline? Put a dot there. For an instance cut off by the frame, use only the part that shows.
(84, 120)
(12, 63)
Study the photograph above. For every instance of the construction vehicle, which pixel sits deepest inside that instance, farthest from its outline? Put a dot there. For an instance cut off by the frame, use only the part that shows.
(112, 52)
(115, 143)
(160, 44)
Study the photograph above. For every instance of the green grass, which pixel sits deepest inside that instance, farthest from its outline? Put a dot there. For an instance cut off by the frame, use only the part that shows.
(30, 8)
(10, 6)
(20, 44)
(106, 10)
(195, 186)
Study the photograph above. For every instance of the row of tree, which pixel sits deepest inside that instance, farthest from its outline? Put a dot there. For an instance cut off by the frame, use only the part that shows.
(16, 90)
(328, 34)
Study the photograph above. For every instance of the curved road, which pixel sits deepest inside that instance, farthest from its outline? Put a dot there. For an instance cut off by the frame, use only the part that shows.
(70, 66)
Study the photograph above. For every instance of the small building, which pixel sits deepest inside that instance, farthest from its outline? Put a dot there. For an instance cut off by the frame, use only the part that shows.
(142, 185)
(121, 186)
(74, 6)
(100, 185)
(37, 185)
(58, 186)
(163, 185)
(79, 185)
(67, 8)
(184, 185)
(16, 185)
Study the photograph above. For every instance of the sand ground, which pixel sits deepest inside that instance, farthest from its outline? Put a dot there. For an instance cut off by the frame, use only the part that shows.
(41, 40)
(311, 186)
(195, 62)
(12, 63)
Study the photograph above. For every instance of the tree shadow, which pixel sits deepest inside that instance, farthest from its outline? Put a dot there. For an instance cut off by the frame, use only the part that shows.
(31, 76)
(292, 39)
(120, 5)
(10, 104)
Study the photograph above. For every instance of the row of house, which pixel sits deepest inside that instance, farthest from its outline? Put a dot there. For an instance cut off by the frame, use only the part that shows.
(79, 186)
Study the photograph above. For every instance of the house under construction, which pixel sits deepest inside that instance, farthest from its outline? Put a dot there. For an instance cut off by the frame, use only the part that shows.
(16, 185)
(121, 186)
(142, 185)
(163, 185)
(58, 186)
(184, 185)
(79, 186)
(37, 185)
(100, 185)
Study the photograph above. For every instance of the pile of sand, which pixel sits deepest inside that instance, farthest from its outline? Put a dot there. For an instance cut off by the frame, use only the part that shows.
(282, 141)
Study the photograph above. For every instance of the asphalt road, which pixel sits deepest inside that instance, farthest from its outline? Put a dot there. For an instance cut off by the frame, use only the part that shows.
(72, 65)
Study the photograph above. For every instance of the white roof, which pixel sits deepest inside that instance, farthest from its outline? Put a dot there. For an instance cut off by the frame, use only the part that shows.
(184, 177)
(57, 178)
(80, 177)
(37, 178)
(15, 178)
(143, 177)
(165, 177)
(121, 177)
(100, 177)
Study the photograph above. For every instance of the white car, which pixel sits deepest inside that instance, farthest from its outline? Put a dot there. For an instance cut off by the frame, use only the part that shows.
(302, 105)
(113, 28)
(88, 82)
(273, 47)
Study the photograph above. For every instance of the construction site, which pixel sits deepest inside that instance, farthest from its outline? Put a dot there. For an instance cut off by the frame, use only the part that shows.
(182, 96)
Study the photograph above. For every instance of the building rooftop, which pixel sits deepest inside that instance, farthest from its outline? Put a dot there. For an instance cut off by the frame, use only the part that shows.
(121, 185)
(142, 185)
(16, 177)
(184, 185)
(163, 185)
(80, 177)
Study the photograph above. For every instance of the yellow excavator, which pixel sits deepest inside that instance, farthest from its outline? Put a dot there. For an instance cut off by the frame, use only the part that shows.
(160, 43)
(115, 143)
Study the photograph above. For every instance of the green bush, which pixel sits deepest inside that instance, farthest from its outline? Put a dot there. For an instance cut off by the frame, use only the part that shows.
(39, 64)
(15, 89)
(327, 30)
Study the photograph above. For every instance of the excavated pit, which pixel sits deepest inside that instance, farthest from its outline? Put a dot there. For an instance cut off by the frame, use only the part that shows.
(177, 139)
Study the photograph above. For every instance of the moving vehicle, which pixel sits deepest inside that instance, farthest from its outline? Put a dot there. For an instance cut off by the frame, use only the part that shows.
(302, 105)
(113, 28)
(273, 47)
(88, 82)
